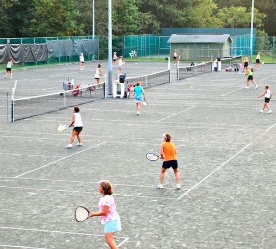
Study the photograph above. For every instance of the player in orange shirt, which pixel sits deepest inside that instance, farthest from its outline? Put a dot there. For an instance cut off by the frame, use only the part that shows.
(168, 153)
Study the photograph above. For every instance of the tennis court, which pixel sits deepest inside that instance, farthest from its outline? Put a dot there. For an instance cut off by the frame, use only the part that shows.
(226, 153)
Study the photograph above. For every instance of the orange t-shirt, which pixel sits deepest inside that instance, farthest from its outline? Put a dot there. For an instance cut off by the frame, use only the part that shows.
(168, 151)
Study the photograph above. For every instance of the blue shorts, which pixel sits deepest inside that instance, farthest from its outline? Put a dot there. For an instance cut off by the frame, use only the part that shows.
(138, 99)
(112, 226)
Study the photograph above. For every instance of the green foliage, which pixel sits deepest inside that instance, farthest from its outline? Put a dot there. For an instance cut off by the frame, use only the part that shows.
(240, 17)
(55, 18)
(201, 14)
(23, 18)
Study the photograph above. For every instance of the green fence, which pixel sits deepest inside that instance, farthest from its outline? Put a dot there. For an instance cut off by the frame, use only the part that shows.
(145, 46)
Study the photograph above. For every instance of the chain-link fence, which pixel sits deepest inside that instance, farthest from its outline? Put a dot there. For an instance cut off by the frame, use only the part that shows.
(45, 50)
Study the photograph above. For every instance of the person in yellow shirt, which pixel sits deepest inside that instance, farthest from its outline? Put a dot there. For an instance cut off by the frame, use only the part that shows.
(250, 78)
(168, 153)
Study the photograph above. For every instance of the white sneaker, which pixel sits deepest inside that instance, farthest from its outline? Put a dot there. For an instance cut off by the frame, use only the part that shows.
(69, 146)
(256, 87)
(79, 144)
(160, 186)
(178, 186)
(261, 111)
(138, 113)
(247, 87)
(269, 111)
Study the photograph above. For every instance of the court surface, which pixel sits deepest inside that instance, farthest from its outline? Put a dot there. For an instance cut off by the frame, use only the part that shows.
(226, 153)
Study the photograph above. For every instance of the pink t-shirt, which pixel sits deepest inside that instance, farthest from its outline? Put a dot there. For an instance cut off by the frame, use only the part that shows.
(112, 214)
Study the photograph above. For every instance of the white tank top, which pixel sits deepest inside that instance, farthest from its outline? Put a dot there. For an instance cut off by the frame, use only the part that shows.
(78, 121)
(267, 95)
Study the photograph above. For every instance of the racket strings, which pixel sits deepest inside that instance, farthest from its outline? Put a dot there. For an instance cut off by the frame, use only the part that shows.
(152, 157)
(81, 214)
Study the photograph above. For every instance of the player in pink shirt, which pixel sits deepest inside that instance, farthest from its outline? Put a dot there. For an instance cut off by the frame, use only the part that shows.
(107, 210)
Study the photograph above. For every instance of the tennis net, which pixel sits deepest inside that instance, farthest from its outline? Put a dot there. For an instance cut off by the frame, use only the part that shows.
(151, 80)
(22, 108)
(194, 70)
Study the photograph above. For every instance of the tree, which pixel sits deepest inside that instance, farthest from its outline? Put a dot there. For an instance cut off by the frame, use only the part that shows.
(200, 14)
(55, 18)
(6, 18)
(184, 13)
(239, 17)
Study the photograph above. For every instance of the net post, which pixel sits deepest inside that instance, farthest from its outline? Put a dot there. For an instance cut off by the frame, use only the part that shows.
(104, 91)
(12, 101)
(64, 99)
(7, 107)
(12, 110)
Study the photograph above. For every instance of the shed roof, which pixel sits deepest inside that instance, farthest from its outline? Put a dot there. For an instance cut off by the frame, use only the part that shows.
(184, 38)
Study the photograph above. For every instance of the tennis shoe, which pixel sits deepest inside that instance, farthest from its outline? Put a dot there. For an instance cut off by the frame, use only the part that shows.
(138, 113)
(256, 87)
(247, 87)
(69, 146)
(261, 111)
(269, 111)
(160, 186)
(79, 144)
(178, 186)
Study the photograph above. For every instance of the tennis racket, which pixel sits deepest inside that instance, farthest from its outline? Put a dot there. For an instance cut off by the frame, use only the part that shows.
(152, 156)
(62, 127)
(81, 214)
(145, 103)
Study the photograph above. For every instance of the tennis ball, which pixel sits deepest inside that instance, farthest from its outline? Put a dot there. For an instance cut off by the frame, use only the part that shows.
(191, 86)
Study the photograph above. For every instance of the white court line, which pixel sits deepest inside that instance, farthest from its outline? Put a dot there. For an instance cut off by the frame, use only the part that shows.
(206, 177)
(25, 247)
(28, 155)
(55, 231)
(270, 76)
(48, 164)
(85, 191)
(232, 91)
(175, 114)
(270, 127)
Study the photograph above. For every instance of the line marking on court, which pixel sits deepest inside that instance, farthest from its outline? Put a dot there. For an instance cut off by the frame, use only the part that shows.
(206, 177)
(231, 92)
(48, 164)
(87, 192)
(270, 127)
(26, 247)
(270, 76)
(55, 231)
(175, 114)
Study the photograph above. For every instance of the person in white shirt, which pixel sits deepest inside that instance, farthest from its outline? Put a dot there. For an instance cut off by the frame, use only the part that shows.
(267, 94)
(98, 74)
(120, 63)
(115, 58)
(78, 125)
(9, 68)
(81, 61)
(258, 60)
